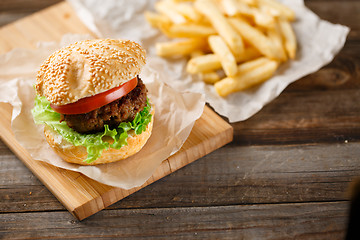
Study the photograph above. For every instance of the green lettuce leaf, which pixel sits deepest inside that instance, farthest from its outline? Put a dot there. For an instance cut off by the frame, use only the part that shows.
(43, 114)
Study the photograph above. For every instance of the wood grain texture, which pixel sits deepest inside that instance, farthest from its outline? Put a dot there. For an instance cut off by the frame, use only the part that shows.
(246, 175)
(21, 33)
(319, 116)
(302, 221)
(333, 11)
(11, 10)
(298, 156)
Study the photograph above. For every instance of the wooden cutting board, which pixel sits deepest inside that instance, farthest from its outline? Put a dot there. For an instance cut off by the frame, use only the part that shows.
(81, 195)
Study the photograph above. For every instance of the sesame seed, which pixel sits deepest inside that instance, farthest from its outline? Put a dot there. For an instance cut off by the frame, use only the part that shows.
(53, 78)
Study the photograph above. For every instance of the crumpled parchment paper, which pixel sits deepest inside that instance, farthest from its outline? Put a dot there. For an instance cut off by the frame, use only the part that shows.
(318, 42)
(174, 118)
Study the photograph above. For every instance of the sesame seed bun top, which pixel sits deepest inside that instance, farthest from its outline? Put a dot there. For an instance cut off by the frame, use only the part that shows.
(87, 68)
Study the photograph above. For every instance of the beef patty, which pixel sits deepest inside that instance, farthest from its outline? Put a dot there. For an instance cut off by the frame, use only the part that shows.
(123, 109)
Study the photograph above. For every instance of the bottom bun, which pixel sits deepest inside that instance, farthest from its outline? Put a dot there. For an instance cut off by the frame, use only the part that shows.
(77, 154)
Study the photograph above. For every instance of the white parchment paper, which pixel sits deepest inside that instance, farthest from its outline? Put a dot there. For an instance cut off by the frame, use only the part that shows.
(319, 41)
(174, 118)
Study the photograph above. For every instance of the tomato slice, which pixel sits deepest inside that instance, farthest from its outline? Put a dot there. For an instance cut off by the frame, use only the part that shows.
(88, 104)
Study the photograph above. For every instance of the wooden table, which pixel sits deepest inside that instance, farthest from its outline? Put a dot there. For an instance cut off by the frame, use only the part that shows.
(286, 174)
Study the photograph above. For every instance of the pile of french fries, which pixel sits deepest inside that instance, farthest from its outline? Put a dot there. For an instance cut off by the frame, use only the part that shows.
(233, 44)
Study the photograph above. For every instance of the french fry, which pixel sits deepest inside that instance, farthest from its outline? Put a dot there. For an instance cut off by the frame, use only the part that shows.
(196, 53)
(233, 44)
(262, 19)
(260, 16)
(289, 37)
(275, 36)
(166, 9)
(156, 20)
(250, 65)
(211, 62)
(283, 10)
(188, 11)
(270, 11)
(227, 59)
(205, 63)
(190, 30)
(254, 37)
(165, 29)
(249, 53)
(179, 1)
(235, 7)
(249, 2)
(185, 47)
(210, 77)
(246, 79)
(222, 26)
(230, 7)
(244, 9)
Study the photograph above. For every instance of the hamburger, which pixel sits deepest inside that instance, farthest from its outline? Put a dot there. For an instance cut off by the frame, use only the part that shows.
(92, 101)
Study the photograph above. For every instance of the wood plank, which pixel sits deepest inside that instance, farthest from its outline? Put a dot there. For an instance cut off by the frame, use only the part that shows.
(333, 11)
(256, 175)
(12, 10)
(283, 221)
(25, 6)
(341, 73)
(300, 117)
(6, 18)
(20, 34)
(230, 176)
(80, 195)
